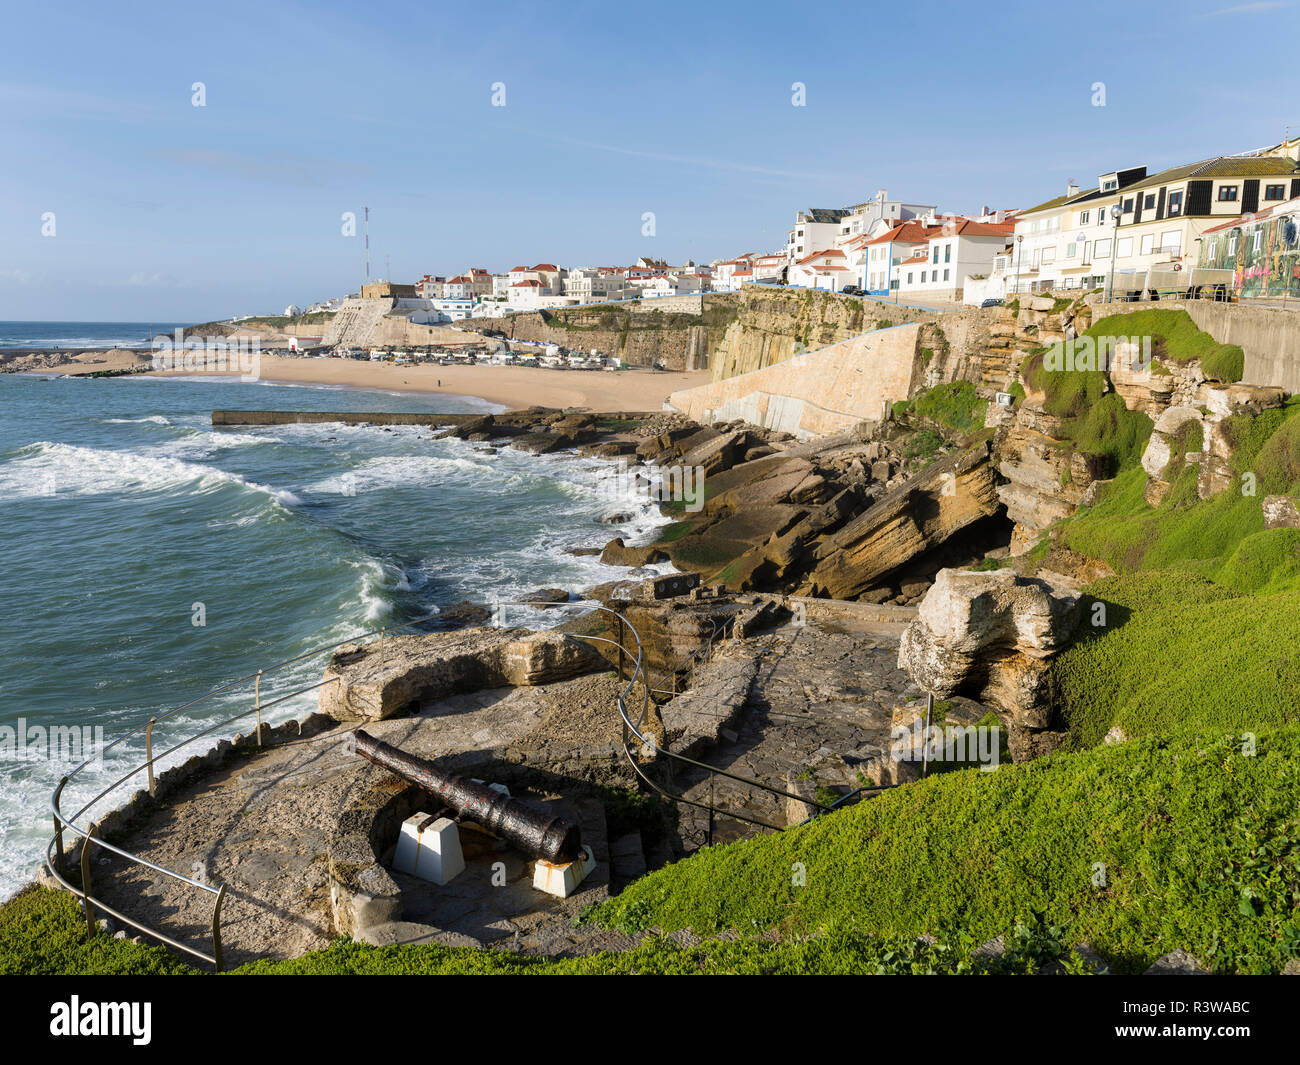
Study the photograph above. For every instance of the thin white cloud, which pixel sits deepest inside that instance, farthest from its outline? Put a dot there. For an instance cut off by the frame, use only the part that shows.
(280, 168)
(686, 160)
(1247, 9)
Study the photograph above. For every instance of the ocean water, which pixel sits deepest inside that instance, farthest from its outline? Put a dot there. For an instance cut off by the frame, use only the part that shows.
(71, 335)
(125, 518)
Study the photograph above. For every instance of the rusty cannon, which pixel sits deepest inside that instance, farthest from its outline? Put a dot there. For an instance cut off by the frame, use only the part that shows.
(528, 826)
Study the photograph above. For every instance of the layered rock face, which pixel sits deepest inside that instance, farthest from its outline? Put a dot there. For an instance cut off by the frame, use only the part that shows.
(775, 324)
(989, 636)
(1213, 406)
(921, 513)
(642, 333)
(835, 518)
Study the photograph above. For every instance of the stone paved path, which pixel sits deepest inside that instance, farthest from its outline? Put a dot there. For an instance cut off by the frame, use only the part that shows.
(820, 707)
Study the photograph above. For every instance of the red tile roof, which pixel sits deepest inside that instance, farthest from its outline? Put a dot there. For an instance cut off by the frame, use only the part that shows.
(909, 232)
(818, 254)
(546, 266)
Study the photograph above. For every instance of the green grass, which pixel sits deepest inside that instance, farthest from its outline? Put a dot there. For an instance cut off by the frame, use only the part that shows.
(1199, 843)
(1178, 654)
(42, 932)
(1175, 338)
(53, 922)
(1202, 622)
(955, 405)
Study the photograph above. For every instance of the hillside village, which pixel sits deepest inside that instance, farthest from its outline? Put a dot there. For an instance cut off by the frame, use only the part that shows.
(1224, 227)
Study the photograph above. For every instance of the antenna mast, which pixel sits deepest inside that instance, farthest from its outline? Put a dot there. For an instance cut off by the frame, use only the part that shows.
(367, 244)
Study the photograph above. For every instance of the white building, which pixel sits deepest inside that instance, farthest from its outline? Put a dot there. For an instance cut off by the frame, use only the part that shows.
(885, 253)
(959, 249)
(826, 269)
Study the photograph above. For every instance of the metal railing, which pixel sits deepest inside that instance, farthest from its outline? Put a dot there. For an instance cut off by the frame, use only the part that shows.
(55, 853)
(647, 742)
(634, 733)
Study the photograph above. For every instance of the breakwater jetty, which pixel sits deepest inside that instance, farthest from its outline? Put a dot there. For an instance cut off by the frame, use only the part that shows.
(295, 417)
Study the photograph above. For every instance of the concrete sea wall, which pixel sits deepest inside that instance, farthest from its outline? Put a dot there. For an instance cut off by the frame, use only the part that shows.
(824, 391)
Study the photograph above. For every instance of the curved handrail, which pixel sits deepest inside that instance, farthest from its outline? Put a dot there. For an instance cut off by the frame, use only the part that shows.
(54, 850)
(55, 853)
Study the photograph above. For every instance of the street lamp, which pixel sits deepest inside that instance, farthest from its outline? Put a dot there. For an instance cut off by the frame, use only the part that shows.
(1114, 246)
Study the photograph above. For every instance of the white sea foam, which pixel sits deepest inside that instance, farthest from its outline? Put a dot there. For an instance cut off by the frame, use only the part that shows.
(46, 469)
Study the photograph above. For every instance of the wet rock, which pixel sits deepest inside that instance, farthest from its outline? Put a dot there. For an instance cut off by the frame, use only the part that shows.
(617, 553)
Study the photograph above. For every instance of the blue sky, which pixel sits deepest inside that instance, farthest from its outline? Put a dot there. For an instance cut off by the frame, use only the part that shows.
(166, 211)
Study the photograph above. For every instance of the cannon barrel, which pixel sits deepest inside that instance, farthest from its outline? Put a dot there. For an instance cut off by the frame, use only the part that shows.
(529, 827)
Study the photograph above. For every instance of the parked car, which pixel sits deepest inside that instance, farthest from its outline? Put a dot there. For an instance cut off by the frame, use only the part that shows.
(992, 303)
(851, 290)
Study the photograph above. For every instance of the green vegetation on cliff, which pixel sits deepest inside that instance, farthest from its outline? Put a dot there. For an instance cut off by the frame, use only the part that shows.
(955, 405)
(42, 932)
(1199, 628)
(1197, 845)
(1174, 338)
(1093, 419)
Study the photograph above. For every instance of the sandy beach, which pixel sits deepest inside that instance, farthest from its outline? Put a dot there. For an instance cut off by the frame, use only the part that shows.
(511, 387)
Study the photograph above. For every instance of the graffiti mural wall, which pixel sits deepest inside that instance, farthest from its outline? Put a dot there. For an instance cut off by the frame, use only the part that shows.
(1263, 254)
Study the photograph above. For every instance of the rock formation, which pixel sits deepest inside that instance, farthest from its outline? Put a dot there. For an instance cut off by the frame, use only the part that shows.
(989, 636)
(382, 679)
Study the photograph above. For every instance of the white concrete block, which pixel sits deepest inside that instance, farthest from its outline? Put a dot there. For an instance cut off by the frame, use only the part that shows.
(563, 879)
(429, 848)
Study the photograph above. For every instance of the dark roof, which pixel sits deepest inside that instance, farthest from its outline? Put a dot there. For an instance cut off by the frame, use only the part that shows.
(1221, 166)
(824, 214)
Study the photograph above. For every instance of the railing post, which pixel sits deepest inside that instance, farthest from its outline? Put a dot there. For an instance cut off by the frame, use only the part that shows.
(216, 927)
(58, 826)
(925, 736)
(148, 752)
(257, 703)
(620, 647)
(87, 905)
(711, 778)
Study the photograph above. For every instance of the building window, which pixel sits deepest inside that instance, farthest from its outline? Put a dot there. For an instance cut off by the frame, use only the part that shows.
(1175, 203)
(947, 253)
(1274, 192)
(909, 277)
(1227, 193)
(1171, 241)
(945, 275)
(1254, 244)
(1214, 247)
(1083, 217)
(1232, 245)
(1101, 249)
(1070, 249)
(1124, 248)
(1049, 255)
(1109, 184)
(1148, 201)
(1128, 205)
(936, 254)
(1148, 242)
